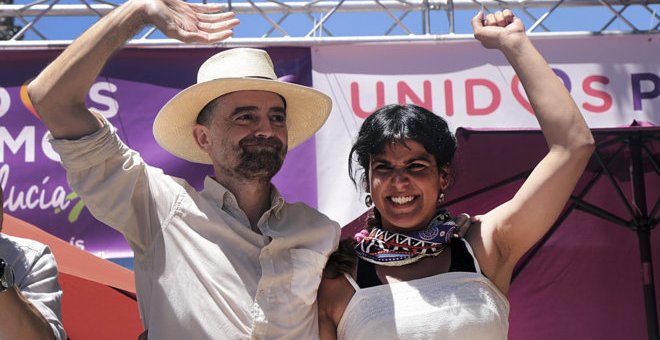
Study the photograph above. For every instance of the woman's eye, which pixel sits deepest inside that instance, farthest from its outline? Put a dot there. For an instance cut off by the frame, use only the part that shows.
(417, 166)
(381, 167)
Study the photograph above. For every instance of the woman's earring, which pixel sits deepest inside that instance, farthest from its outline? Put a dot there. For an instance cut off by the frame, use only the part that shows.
(441, 198)
(368, 201)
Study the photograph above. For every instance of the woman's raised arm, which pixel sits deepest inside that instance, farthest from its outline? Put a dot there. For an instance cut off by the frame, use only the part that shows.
(509, 230)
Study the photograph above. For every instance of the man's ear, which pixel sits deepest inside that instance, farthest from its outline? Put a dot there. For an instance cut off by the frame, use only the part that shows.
(201, 135)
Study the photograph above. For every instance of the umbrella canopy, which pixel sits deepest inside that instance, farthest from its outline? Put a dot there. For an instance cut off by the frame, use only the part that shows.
(98, 296)
(584, 280)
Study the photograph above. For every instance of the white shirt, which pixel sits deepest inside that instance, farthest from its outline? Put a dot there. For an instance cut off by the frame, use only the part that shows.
(454, 305)
(201, 272)
(35, 275)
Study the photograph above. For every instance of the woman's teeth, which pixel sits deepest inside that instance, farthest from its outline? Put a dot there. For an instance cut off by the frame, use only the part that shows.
(402, 199)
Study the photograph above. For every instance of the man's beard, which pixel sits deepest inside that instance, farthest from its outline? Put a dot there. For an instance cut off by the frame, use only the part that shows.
(261, 163)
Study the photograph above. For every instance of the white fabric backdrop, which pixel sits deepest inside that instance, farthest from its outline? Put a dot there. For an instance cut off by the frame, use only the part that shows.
(471, 87)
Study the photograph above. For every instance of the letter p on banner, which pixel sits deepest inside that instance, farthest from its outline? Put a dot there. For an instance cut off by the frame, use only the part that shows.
(636, 80)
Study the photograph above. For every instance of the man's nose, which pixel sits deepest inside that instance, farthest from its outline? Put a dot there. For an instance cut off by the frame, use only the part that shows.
(264, 129)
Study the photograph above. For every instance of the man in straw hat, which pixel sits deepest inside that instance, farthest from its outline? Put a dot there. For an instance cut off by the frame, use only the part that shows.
(234, 260)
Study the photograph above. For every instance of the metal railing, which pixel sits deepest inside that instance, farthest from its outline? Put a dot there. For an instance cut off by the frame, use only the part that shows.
(305, 23)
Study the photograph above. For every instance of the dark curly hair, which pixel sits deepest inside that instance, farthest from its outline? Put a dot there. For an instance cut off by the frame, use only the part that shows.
(391, 123)
(398, 123)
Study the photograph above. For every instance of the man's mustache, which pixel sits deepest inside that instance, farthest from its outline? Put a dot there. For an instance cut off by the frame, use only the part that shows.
(259, 141)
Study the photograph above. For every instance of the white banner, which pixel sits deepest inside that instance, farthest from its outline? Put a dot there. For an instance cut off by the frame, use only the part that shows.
(613, 79)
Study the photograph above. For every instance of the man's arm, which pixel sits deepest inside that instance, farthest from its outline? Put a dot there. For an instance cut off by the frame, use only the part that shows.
(58, 93)
(19, 319)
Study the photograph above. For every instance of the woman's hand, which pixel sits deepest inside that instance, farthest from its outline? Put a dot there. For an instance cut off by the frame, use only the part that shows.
(499, 30)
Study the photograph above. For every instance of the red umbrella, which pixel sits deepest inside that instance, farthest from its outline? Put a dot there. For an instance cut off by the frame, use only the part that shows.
(98, 296)
(584, 279)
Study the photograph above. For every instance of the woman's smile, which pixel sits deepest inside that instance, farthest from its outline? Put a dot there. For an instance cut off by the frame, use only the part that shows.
(402, 200)
(405, 184)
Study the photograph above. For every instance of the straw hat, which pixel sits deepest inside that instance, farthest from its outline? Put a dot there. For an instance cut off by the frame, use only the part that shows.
(238, 69)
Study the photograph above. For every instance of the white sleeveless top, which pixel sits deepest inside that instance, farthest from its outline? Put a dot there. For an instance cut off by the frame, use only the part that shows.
(454, 305)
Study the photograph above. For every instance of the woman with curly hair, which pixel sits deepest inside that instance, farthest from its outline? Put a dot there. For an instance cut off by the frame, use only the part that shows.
(410, 274)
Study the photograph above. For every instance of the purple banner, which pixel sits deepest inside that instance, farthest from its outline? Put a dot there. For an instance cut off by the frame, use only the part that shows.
(129, 92)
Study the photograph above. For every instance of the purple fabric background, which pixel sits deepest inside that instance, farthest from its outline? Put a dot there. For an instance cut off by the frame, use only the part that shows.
(145, 80)
(585, 282)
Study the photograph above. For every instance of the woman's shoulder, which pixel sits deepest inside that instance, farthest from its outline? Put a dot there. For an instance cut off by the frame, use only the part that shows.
(487, 248)
(335, 291)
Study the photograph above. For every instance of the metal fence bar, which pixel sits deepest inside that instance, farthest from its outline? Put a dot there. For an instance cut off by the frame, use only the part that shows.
(396, 20)
(30, 14)
(543, 17)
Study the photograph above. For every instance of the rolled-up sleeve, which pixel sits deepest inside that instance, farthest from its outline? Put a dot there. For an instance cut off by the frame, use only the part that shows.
(117, 186)
(41, 288)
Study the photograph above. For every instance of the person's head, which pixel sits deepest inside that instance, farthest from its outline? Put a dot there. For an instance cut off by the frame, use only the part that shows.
(244, 134)
(239, 116)
(404, 152)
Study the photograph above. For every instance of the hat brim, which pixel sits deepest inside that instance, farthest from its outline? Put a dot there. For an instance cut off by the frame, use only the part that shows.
(307, 110)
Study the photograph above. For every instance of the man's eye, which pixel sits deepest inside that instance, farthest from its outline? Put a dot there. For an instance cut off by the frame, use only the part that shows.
(244, 117)
(278, 118)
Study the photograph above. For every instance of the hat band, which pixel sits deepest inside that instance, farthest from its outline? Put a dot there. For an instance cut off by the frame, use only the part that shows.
(260, 77)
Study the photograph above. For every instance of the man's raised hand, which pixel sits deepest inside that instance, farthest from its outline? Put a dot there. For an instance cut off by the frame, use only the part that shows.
(202, 23)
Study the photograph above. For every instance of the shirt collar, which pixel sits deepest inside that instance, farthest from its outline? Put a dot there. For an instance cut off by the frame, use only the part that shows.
(276, 201)
(215, 190)
(220, 194)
